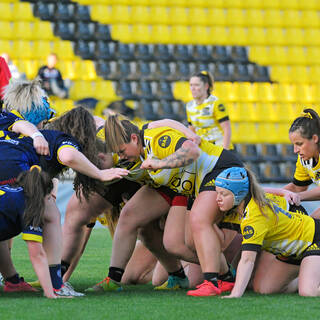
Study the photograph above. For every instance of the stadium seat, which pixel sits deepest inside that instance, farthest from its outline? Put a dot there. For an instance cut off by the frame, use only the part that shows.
(45, 11)
(105, 91)
(86, 70)
(260, 73)
(285, 92)
(272, 18)
(280, 73)
(104, 69)
(148, 110)
(183, 70)
(82, 13)
(181, 91)
(266, 112)
(271, 4)
(226, 90)
(182, 52)
(81, 89)
(219, 35)
(216, 17)
(286, 113)
(84, 49)
(235, 17)
(140, 15)
(312, 55)
(144, 70)
(165, 90)
(278, 55)
(22, 11)
(200, 35)
(265, 92)
(314, 74)
(294, 37)
(254, 18)
(101, 13)
(198, 16)
(267, 132)
(238, 36)
(42, 30)
(5, 46)
(246, 91)
(256, 36)
(311, 37)
(22, 49)
(120, 14)
(6, 11)
(64, 12)
(145, 90)
(122, 32)
(245, 132)
(253, 4)
(124, 52)
(220, 54)
(289, 4)
(68, 69)
(160, 15)
(143, 52)
(291, 18)
(65, 30)
(84, 31)
(180, 34)
(296, 55)
(161, 52)
(160, 33)
(259, 54)
(177, 3)
(222, 72)
(178, 16)
(241, 72)
(239, 54)
(6, 30)
(63, 49)
(299, 74)
(275, 36)
(233, 3)
(41, 49)
(310, 19)
(163, 71)
(305, 94)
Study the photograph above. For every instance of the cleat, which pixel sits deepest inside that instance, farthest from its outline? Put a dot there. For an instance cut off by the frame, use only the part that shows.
(225, 286)
(22, 286)
(67, 291)
(35, 284)
(105, 285)
(174, 283)
(205, 289)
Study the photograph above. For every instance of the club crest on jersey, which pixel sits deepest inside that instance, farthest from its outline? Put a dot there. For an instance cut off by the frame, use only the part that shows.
(248, 232)
(164, 141)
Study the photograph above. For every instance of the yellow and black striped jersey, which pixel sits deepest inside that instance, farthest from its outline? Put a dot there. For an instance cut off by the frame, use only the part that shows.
(206, 118)
(279, 231)
(161, 142)
(306, 172)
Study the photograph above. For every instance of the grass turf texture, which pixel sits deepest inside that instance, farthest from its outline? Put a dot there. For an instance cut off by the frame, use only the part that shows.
(139, 302)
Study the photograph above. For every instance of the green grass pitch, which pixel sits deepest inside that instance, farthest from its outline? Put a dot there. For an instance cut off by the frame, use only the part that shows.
(140, 302)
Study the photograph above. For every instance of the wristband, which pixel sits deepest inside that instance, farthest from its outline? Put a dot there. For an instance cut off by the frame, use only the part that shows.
(37, 134)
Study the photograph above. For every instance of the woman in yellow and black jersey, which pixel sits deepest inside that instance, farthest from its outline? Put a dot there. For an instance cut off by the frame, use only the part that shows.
(268, 225)
(176, 162)
(207, 115)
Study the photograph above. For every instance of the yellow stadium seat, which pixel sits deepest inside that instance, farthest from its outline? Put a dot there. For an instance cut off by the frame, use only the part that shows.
(101, 13)
(280, 73)
(309, 5)
(233, 3)
(62, 105)
(265, 92)
(271, 4)
(160, 15)
(254, 18)
(285, 92)
(68, 69)
(22, 30)
(120, 14)
(275, 36)
(267, 132)
(43, 30)
(22, 49)
(5, 46)
(198, 4)
(122, 32)
(216, 17)
(235, 17)
(181, 91)
(246, 132)
(256, 36)
(219, 35)
(215, 4)
(310, 19)
(41, 49)
(29, 67)
(162, 3)
(314, 74)
(63, 49)
(86, 70)
(278, 55)
(227, 91)
(140, 14)
(105, 91)
(238, 36)
(6, 11)
(296, 55)
(266, 112)
(294, 37)
(177, 3)
(259, 54)
(246, 91)
(200, 35)
(313, 55)
(141, 33)
(252, 4)
(305, 93)
(141, 2)
(160, 33)
(289, 4)
(81, 89)
(180, 34)
(23, 11)
(235, 114)
(283, 133)
(272, 18)
(311, 37)
(178, 16)
(6, 30)
(120, 2)
(286, 112)
(198, 16)
(291, 18)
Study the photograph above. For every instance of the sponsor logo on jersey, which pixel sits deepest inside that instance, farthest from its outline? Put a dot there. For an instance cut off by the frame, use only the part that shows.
(164, 141)
(211, 183)
(205, 111)
(248, 232)
(317, 175)
(221, 107)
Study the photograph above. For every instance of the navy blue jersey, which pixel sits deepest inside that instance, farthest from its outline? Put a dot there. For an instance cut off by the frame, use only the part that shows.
(12, 205)
(18, 154)
(7, 120)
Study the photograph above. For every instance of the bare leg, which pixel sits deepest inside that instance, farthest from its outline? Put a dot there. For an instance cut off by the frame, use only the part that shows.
(309, 277)
(160, 275)
(7, 268)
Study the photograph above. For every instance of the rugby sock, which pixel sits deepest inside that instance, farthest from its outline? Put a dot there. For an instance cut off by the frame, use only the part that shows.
(229, 276)
(115, 274)
(180, 273)
(14, 279)
(64, 267)
(55, 275)
(212, 277)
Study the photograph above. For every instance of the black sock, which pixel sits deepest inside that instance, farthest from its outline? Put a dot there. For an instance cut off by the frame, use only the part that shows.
(229, 276)
(212, 277)
(14, 279)
(180, 273)
(64, 267)
(115, 274)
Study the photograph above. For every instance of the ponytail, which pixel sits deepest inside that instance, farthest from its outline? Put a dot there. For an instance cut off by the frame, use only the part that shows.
(36, 185)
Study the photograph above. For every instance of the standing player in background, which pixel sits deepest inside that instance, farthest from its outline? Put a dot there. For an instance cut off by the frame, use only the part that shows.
(207, 115)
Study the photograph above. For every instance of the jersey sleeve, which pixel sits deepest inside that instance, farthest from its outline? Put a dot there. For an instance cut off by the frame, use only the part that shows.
(167, 143)
(301, 176)
(221, 112)
(8, 119)
(31, 233)
(66, 142)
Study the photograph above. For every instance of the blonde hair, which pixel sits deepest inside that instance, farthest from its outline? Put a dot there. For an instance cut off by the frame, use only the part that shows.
(23, 95)
(118, 131)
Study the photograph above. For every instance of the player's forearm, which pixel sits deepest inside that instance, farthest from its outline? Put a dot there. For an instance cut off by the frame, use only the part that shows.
(24, 127)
